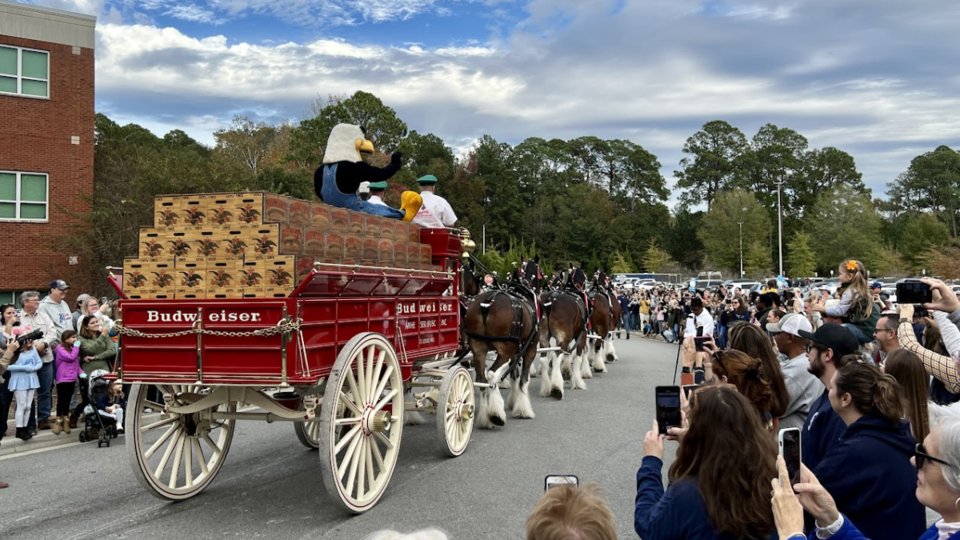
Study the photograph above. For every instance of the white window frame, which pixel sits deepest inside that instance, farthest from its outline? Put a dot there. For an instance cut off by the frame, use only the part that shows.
(19, 75)
(17, 202)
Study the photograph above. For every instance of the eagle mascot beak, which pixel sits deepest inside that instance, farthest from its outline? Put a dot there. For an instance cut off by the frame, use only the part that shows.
(363, 147)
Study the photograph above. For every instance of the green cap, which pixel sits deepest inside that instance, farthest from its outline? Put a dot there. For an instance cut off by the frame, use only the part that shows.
(428, 179)
(379, 185)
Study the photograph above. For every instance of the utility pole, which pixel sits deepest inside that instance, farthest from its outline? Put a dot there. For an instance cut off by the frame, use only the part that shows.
(740, 227)
(780, 227)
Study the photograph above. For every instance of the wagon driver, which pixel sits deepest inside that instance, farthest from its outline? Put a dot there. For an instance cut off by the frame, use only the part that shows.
(436, 212)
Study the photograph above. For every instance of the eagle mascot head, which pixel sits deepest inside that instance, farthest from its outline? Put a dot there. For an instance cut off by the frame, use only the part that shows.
(347, 142)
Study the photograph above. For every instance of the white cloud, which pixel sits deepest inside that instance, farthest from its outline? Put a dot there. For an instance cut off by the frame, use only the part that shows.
(193, 13)
(873, 80)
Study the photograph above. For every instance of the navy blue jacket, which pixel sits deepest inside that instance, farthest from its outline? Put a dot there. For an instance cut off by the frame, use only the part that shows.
(872, 480)
(849, 531)
(679, 513)
(821, 431)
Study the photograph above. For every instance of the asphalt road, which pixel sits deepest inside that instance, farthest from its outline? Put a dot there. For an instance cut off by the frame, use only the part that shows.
(270, 486)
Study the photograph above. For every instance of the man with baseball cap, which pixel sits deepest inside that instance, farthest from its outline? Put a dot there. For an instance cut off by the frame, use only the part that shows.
(802, 386)
(55, 307)
(436, 212)
(823, 428)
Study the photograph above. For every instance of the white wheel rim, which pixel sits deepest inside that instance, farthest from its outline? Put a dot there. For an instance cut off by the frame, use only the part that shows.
(361, 448)
(456, 411)
(176, 456)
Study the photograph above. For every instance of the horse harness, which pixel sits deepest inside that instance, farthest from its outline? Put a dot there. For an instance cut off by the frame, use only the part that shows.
(518, 304)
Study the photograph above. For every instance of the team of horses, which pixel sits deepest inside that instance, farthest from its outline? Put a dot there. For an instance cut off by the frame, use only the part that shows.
(567, 323)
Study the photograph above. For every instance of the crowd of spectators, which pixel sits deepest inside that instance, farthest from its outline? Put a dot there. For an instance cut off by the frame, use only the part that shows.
(868, 383)
(45, 378)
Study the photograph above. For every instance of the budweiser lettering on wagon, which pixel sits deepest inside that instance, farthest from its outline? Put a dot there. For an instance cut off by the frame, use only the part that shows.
(212, 316)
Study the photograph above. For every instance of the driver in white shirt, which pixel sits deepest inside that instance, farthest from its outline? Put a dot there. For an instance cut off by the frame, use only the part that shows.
(698, 317)
(436, 212)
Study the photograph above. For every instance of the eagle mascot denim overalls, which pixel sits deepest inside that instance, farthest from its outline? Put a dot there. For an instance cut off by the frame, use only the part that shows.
(337, 180)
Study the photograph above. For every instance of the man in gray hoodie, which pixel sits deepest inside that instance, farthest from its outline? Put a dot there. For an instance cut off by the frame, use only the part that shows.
(55, 307)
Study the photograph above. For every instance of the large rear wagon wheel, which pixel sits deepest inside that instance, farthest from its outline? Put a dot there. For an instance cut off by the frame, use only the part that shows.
(175, 456)
(361, 422)
(455, 411)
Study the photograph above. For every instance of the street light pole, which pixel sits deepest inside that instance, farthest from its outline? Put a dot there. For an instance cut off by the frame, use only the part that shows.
(740, 227)
(484, 239)
(780, 227)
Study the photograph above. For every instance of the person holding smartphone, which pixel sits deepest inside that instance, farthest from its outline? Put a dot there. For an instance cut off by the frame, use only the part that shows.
(723, 433)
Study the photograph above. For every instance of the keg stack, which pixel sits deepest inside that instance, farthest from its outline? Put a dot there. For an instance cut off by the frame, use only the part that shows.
(258, 245)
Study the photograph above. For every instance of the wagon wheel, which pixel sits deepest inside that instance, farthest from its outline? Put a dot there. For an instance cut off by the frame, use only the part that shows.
(361, 422)
(176, 456)
(308, 433)
(455, 411)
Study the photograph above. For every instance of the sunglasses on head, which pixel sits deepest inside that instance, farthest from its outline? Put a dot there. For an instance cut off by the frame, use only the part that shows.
(921, 455)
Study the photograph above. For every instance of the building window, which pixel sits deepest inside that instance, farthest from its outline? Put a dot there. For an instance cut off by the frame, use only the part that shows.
(24, 71)
(23, 196)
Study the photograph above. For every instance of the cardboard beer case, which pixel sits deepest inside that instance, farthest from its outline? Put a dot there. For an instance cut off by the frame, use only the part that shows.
(166, 211)
(356, 222)
(385, 251)
(313, 241)
(280, 273)
(369, 252)
(319, 216)
(191, 274)
(413, 233)
(253, 278)
(339, 219)
(353, 246)
(334, 245)
(223, 277)
(299, 212)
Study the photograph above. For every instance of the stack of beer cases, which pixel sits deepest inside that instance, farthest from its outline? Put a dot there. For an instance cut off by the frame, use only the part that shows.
(258, 245)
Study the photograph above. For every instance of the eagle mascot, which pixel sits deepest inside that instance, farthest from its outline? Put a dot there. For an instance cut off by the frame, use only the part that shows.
(338, 179)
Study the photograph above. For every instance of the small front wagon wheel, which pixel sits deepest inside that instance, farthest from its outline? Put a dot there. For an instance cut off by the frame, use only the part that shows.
(456, 409)
(308, 433)
(176, 456)
(361, 422)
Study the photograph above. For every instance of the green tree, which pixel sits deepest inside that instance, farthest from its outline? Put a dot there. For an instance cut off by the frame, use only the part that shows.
(383, 127)
(824, 169)
(619, 264)
(843, 224)
(801, 260)
(775, 155)
(246, 142)
(889, 263)
(711, 164)
(681, 240)
(756, 259)
(931, 184)
(921, 233)
(656, 259)
(721, 231)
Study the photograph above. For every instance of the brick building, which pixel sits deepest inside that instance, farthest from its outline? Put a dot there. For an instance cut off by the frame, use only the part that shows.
(46, 143)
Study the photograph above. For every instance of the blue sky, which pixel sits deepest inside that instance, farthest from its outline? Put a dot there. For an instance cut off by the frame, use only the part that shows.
(876, 78)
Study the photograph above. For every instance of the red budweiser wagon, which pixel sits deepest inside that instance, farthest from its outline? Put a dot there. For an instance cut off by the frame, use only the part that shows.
(336, 358)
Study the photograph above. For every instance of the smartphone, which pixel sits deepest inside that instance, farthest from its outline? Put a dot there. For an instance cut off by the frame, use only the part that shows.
(789, 442)
(688, 389)
(699, 341)
(914, 292)
(668, 408)
(554, 480)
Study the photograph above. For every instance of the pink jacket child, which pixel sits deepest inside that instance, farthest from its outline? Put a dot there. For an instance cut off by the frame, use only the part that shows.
(68, 364)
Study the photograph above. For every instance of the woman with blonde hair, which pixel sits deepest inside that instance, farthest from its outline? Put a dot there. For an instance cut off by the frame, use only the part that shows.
(568, 511)
(907, 368)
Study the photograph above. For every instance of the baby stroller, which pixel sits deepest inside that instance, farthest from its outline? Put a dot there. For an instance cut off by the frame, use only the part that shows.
(96, 426)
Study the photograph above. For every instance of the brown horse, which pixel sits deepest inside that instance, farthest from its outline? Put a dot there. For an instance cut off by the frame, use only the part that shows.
(564, 326)
(601, 320)
(503, 322)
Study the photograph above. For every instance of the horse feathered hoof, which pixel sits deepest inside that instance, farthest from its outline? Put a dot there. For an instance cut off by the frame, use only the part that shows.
(595, 370)
(556, 393)
(565, 373)
(611, 359)
(497, 421)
